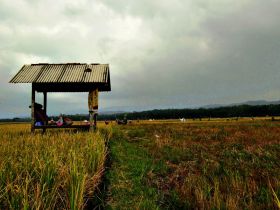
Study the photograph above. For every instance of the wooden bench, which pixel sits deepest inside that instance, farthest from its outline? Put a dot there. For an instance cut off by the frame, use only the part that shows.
(44, 127)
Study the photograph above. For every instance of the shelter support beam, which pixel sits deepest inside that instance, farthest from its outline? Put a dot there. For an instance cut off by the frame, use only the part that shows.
(95, 119)
(45, 102)
(45, 109)
(92, 120)
(33, 109)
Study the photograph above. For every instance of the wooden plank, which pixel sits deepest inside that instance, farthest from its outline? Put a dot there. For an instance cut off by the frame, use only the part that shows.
(66, 126)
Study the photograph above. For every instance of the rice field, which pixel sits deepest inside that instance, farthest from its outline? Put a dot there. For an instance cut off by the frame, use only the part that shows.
(57, 170)
(221, 164)
(167, 164)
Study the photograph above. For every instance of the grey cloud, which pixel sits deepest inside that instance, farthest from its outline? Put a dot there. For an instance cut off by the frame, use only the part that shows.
(161, 54)
(241, 62)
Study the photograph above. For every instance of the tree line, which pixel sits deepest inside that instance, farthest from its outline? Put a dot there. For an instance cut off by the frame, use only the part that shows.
(219, 112)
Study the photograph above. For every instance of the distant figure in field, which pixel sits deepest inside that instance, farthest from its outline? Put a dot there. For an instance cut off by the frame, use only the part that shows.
(182, 119)
(86, 122)
(121, 122)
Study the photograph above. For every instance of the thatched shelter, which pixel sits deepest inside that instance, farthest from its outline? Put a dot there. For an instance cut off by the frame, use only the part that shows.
(65, 77)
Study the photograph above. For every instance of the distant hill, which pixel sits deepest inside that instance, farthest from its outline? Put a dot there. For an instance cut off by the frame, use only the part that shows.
(260, 102)
(251, 103)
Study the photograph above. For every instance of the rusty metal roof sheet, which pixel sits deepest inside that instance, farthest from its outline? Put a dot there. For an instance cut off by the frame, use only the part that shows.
(63, 73)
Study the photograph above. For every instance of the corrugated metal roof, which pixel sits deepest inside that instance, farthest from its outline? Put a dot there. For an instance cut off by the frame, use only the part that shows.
(63, 73)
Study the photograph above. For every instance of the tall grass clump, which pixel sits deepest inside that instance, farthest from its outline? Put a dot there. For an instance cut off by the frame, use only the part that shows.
(57, 170)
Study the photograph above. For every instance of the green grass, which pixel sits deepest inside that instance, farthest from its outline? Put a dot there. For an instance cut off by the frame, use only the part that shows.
(127, 175)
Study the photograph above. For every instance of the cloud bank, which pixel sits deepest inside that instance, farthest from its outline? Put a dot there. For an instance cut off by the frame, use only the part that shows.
(161, 53)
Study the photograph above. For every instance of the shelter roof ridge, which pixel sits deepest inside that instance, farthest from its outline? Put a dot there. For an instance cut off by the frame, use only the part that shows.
(67, 73)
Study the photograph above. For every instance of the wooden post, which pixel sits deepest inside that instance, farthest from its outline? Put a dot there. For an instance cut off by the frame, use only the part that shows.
(91, 116)
(33, 109)
(45, 102)
(45, 110)
(93, 107)
(95, 119)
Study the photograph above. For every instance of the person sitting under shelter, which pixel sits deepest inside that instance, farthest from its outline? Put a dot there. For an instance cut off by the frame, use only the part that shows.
(40, 114)
(63, 121)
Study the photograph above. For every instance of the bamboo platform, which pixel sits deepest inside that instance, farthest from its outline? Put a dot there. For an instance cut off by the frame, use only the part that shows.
(64, 126)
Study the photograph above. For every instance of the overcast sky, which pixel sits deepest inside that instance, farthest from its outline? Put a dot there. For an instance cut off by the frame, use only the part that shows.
(161, 53)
